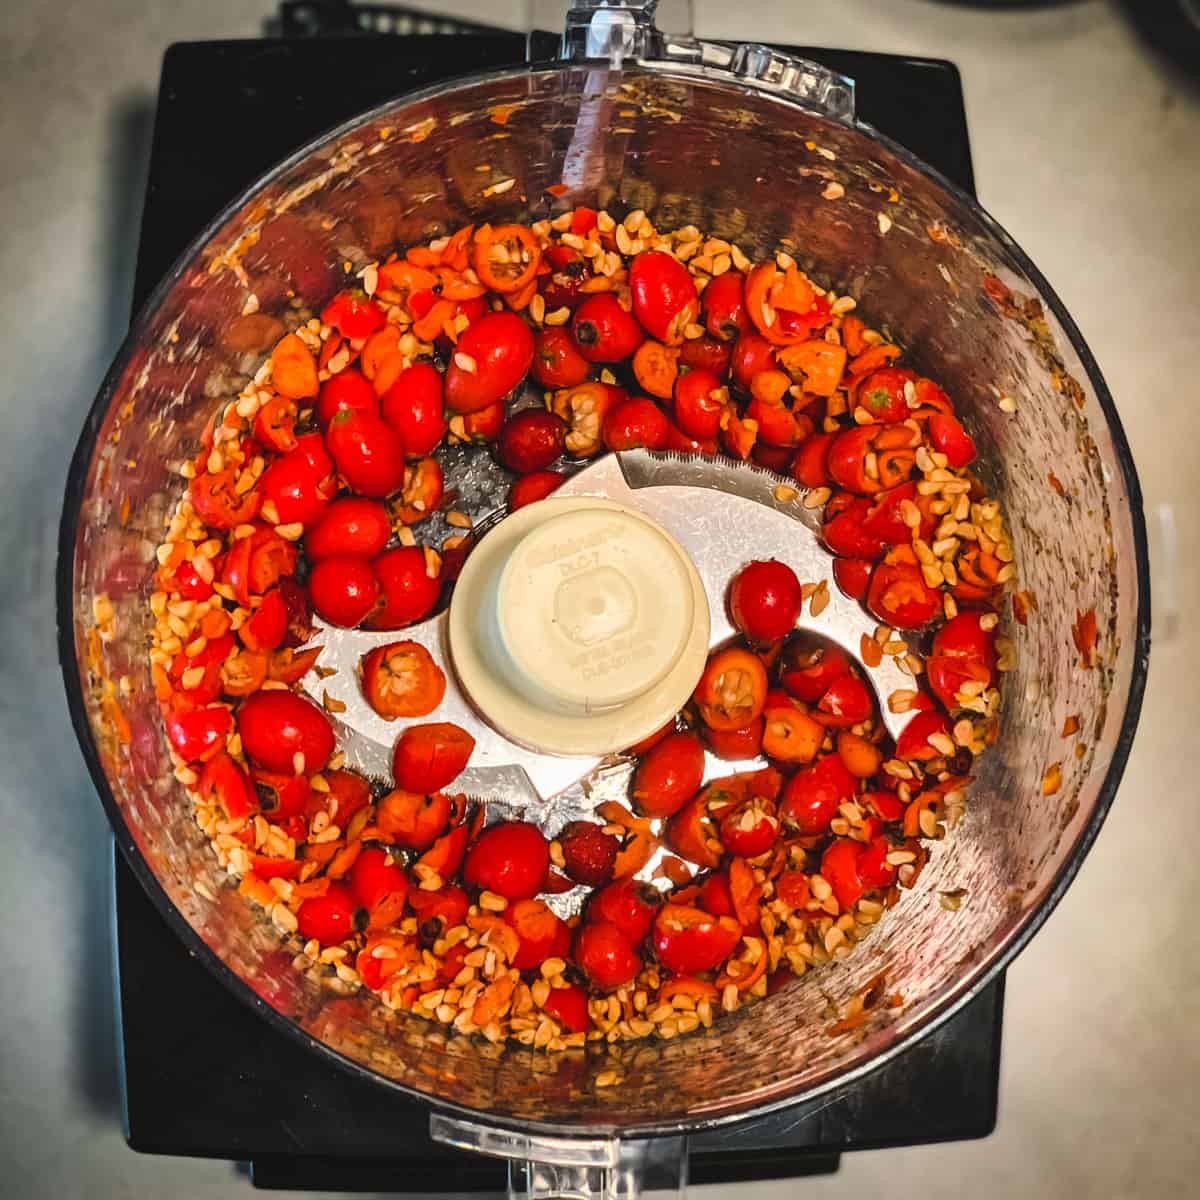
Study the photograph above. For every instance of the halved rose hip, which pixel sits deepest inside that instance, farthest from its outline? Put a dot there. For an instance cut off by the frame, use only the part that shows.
(733, 689)
(582, 409)
(401, 680)
(429, 757)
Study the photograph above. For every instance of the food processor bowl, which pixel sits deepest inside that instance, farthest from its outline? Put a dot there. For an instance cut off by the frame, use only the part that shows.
(750, 147)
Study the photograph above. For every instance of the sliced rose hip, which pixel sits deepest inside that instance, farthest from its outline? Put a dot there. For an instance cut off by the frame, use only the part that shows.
(583, 409)
(844, 530)
(225, 783)
(413, 819)
(913, 743)
(962, 652)
(792, 888)
(808, 666)
(402, 680)
(900, 597)
(789, 735)
(656, 368)
(275, 425)
(542, 932)
(733, 689)
(438, 911)
(691, 832)
(749, 829)
(422, 493)
(589, 854)
(429, 757)
(847, 701)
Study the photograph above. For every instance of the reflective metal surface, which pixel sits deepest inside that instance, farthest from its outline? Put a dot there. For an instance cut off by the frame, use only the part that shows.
(721, 513)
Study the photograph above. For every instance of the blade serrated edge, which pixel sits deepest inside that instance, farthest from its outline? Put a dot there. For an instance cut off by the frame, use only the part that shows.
(673, 468)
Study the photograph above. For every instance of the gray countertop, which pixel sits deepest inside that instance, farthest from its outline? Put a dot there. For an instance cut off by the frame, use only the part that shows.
(1085, 148)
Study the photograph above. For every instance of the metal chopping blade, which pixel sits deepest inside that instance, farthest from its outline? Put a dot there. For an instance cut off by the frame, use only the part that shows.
(723, 514)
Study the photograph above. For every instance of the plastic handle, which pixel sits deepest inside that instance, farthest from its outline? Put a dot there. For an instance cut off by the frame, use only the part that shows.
(619, 30)
(580, 1168)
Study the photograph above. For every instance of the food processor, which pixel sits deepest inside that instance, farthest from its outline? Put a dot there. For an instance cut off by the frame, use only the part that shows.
(743, 143)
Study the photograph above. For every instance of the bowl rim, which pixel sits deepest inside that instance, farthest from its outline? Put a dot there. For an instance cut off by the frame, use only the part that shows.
(956, 997)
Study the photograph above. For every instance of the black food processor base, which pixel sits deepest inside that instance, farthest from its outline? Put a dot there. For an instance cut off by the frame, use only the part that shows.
(203, 1075)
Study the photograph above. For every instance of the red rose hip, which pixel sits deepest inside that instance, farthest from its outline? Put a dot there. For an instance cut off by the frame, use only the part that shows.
(603, 331)
(664, 294)
(510, 859)
(605, 956)
(409, 591)
(531, 440)
(331, 918)
(412, 406)
(765, 600)
(670, 775)
(349, 526)
(344, 590)
(276, 726)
